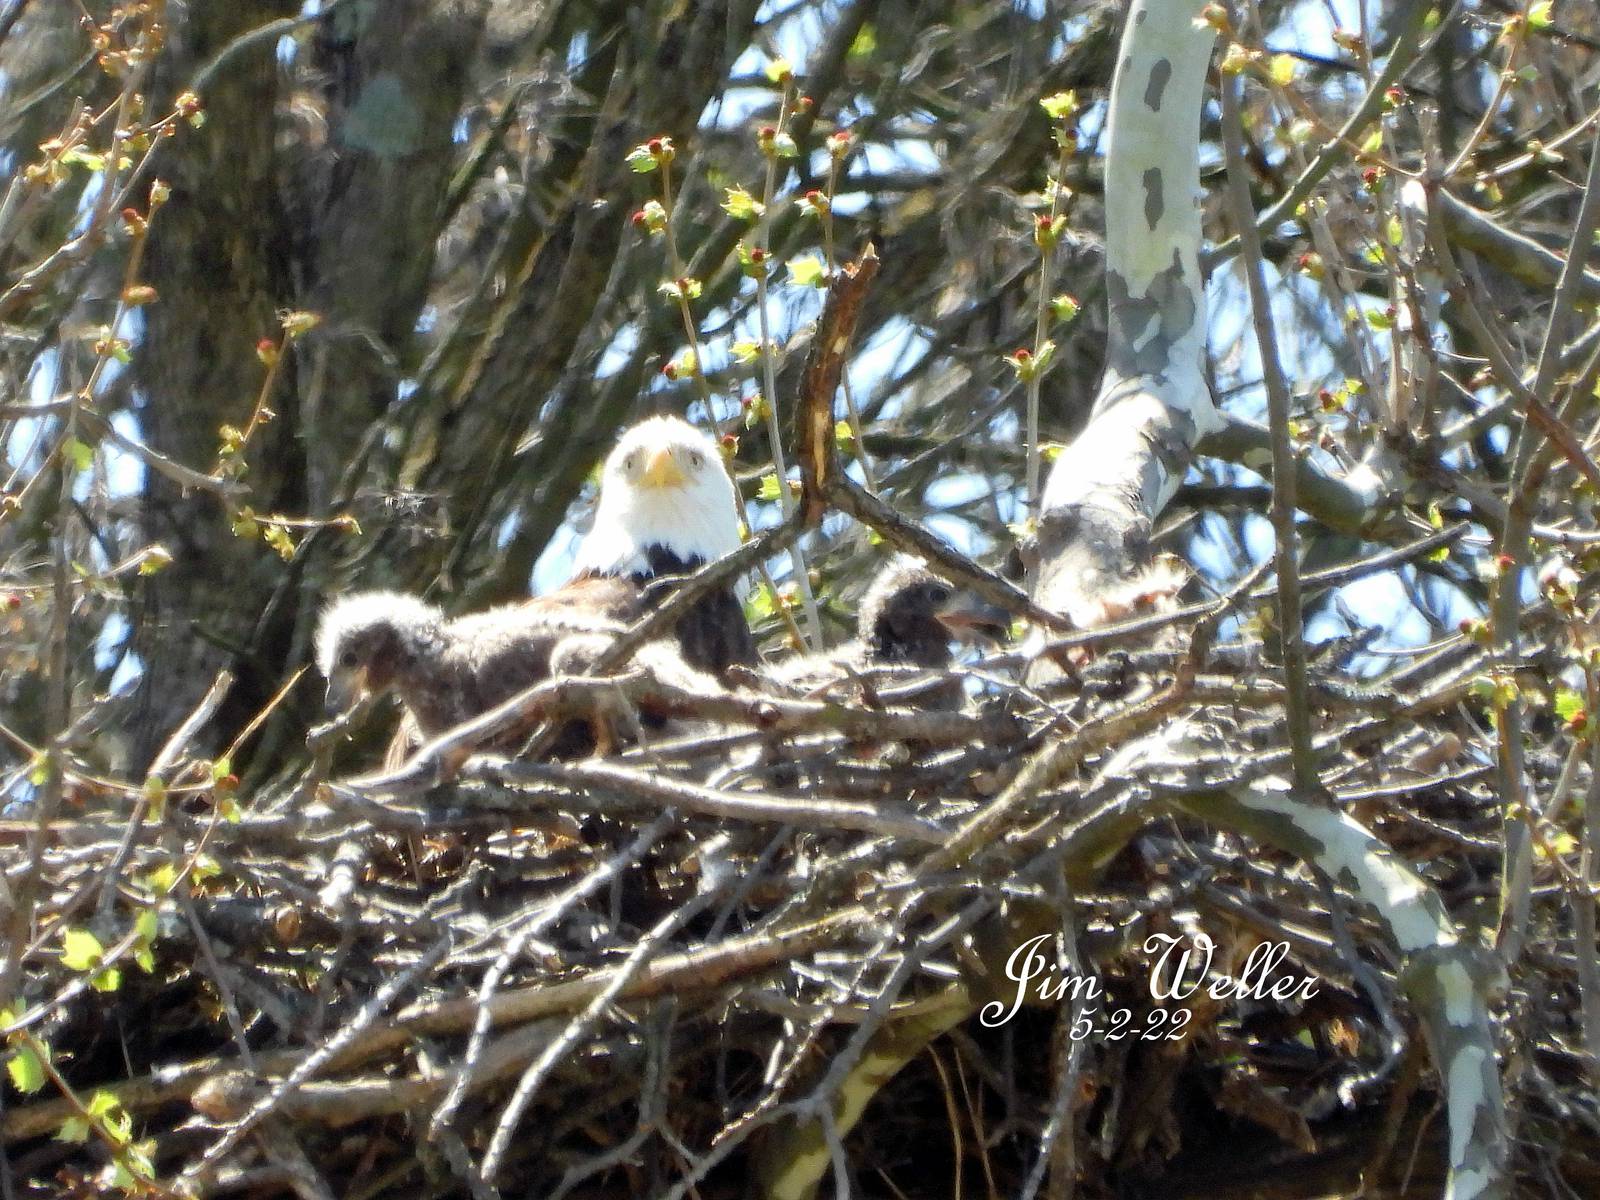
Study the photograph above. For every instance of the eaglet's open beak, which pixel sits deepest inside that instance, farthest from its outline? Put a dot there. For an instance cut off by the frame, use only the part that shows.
(971, 619)
(661, 469)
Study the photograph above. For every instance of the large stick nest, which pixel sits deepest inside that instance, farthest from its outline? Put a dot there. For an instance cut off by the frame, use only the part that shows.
(647, 974)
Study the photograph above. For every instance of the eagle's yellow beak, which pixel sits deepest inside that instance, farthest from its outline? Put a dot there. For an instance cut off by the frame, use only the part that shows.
(662, 469)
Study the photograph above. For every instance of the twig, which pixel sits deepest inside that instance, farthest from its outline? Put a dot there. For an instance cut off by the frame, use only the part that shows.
(639, 957)
(1506, 611)
(1290, 617)
(163, 762)
(686, 593)
(568, 697)
(312, 1063)
(914, 538)
(1411, 17)
(803, 813)
(548, 913)
(815, 447)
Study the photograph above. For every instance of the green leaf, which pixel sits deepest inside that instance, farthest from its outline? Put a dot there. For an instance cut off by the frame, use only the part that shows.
(1539, 16)
(808, 271)
(78, 154)
(1282, 69)
(1559, 844)
(78, 453)
(866, 42)
(1064, 307)
(73, 1129)
(1060, 106)
(681, 289)
(779, 70)
(280, 540)
(141, 1159)
(762, 604)
(162, 879)
(1395, 231)
(640, 161)
(1568, 703)
(80, 950)
(147, 925)
(156, 558)
(26, 1071)
(754, 261)
(205, 867)
(102, 1104)
(155, 797)
(769, 489)
(108, 980)
(741, 205)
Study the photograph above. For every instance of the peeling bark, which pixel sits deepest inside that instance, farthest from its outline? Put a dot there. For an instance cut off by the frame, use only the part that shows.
(1447, 978)
(1108, 486)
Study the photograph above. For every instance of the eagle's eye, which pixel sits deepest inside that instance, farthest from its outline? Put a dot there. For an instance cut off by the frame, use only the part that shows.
(939, 594)
(631, 462)
(696, 459)
(349, 659)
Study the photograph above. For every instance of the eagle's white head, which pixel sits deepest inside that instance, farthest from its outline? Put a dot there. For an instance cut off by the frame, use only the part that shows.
(664, 487)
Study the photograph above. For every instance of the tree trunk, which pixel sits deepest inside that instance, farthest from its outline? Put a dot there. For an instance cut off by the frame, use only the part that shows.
(218, 259)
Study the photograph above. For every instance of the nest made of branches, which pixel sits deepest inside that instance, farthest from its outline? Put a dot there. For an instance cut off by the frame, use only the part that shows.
(650, 974)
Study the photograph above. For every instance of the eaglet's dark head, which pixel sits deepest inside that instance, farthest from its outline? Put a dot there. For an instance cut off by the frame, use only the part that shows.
(910, 615)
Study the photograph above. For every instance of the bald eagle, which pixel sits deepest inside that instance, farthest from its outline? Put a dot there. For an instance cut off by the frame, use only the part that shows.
(907, 617)
(667, 508)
